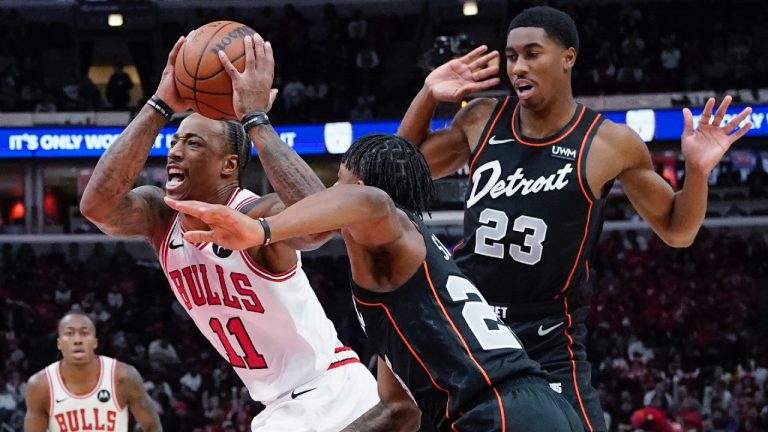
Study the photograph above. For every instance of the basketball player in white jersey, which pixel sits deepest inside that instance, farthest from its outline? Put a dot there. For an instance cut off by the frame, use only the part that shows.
(256, 307)
(84, 391)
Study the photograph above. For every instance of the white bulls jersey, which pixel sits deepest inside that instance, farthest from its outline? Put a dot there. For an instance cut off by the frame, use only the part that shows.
(97, 410)
(269, 327)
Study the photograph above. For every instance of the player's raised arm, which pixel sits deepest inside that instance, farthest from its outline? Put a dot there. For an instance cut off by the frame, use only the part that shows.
(109, 200)
(395, 412)
(38, 400)
(448, 150)
(134, 396)
(677, 216)
(368, 212)
(252, 97)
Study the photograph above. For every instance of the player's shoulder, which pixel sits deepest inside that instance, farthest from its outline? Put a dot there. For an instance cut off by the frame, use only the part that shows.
(38, 387)
(617, 134)
(125, 372)
(477, 111)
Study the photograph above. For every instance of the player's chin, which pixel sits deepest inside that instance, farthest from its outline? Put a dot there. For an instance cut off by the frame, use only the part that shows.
(177, 192)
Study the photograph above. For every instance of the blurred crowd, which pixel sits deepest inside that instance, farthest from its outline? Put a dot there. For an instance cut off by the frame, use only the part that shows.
(677, 340)
(350, 64)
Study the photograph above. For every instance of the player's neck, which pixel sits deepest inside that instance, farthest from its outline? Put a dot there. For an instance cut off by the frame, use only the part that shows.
(73, 373)
(549, 119)
(221, 195)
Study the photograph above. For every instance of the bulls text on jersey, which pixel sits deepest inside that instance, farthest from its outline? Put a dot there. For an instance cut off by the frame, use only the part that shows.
(87, 419)
(197, 285)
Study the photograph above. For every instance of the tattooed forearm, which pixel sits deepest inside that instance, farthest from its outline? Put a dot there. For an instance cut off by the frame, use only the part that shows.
(291, 177)
(105, 200)
(385, 418)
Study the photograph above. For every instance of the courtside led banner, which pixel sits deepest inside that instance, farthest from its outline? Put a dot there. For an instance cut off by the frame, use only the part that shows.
(329, 138)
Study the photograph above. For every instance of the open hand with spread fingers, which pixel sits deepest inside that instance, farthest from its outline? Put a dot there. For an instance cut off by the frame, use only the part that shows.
(252, 89)
(228, 227)
(705, 146)
(455, 79)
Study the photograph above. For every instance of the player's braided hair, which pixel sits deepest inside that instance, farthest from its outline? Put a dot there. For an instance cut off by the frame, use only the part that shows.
(240, 144)
(557, 24)
(394, 165)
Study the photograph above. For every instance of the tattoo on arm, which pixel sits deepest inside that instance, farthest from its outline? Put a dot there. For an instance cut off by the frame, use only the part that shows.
(382, 417)
(291, 177)
(107, 199)
(141, 405)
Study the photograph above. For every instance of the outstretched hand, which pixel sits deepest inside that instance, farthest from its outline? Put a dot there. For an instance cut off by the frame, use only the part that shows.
(166, 90)
(228, 227)
(705, 146)
(252, 89)
(455, 79)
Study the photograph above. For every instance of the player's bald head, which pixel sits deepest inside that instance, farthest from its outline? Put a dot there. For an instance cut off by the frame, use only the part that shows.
(76, 319)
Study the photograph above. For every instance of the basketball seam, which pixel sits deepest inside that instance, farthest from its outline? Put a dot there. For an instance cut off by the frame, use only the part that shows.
(209, 106)
(222, 68)
(199, 62)
(183, 84)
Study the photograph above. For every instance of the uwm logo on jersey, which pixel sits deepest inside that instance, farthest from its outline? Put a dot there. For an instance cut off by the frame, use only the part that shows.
(86, 419)
(199, 285)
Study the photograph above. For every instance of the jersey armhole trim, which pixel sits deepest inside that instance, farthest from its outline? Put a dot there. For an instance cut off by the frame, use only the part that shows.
(487, 135)
(163, 251)
(265, 274)
(50, 392)
(115, 365)
(581, 164)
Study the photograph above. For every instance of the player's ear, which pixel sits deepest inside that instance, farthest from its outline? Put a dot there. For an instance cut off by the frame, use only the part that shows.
(360, 182)
(230, 165)
(569, 58)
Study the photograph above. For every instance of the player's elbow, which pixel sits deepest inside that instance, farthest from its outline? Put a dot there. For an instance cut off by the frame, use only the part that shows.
(375, 203)
(90, 210)
(406, 414)
(678, 239)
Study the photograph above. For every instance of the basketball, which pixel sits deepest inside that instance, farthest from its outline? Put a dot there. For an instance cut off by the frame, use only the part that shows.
(200, 77)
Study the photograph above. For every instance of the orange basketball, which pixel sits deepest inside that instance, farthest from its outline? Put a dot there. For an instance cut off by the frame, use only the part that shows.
(200, 77)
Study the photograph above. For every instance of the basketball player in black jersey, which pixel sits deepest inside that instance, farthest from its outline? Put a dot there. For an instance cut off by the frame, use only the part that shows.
(464, 368)
(540, 166)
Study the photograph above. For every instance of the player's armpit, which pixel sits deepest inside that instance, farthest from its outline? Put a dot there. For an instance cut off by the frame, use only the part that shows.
(131, 392)
(395, 412)
(141, 213)
(37, 400)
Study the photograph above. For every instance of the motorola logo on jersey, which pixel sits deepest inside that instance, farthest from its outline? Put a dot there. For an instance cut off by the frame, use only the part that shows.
(103, 396)
(220, 251)
(486, 180)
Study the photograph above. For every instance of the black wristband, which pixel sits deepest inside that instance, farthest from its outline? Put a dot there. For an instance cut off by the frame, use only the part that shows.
(160, 106)
(254, 118)
(267, 231)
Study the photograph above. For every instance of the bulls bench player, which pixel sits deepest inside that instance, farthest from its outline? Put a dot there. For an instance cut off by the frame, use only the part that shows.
(84, 391)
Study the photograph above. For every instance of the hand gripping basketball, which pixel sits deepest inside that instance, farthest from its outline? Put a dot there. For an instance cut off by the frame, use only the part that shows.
(252, 89)
(166, 90)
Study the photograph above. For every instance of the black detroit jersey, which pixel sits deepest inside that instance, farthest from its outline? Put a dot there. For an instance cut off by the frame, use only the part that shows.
(441, 338)
(530, 219)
